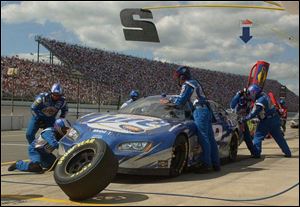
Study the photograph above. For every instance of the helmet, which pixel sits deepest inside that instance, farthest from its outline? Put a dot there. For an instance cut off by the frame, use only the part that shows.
(134, 94)
(253, 91)
(183, 73)
(61, 126)
(57, 89)
(282, 102)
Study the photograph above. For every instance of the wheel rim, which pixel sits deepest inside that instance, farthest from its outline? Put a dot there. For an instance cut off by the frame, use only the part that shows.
(179, 157)
(79, 161)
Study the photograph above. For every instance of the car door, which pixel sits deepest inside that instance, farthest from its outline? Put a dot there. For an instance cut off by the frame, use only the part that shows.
(222, 128)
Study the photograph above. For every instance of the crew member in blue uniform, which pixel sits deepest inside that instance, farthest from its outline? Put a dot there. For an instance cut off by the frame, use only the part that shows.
(192, 92)
(44, 110)
(134, 95)
(40, 150)
(283, 113)
(269, 121)
(241, 105)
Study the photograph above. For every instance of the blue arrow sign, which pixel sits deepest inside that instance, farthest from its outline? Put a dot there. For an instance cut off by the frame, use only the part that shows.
(246, 34)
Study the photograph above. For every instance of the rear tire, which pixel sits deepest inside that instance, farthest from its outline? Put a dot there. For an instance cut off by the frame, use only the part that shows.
(233, 148)
(179, 156)
(86, 169)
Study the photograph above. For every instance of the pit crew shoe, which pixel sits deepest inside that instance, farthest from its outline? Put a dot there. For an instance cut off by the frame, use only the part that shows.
(36, 168)
(255, 156)
(202, 169)
(12, 167)
(288, 155)
(217, 168)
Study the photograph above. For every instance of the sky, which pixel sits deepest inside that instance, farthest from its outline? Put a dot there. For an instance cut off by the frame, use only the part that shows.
(201, 37)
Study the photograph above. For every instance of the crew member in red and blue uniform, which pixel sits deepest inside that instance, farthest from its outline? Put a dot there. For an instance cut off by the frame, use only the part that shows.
(40, 150)
(241, 105)
(192, 92)
(44, 110)
(269, 121)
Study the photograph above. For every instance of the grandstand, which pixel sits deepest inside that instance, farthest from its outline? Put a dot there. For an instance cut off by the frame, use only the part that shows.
(106, 76)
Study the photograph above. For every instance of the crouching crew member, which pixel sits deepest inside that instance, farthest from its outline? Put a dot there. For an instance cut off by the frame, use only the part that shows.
(40, 150)
(241, 105)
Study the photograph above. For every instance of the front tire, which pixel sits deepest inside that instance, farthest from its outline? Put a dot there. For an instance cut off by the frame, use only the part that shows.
(179, 156)
(86, 169)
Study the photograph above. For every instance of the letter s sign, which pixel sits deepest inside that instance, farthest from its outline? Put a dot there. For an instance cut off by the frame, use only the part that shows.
(138, 30)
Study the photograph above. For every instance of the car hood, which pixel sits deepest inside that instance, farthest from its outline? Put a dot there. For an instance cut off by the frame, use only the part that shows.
(125, 123)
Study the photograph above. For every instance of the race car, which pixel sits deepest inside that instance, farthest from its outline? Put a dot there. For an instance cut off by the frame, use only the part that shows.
(145, 138)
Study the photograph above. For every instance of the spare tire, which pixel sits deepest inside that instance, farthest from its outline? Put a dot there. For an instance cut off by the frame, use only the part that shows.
(86, 169)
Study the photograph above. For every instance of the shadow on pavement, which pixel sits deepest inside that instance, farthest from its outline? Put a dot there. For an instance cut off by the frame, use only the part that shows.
(242, 164)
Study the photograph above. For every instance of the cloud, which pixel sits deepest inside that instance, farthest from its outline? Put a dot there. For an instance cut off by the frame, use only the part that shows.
(205, 38)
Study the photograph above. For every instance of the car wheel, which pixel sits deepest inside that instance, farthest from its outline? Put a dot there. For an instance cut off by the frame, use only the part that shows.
(86, 169)
(233, 148)
(179, 156)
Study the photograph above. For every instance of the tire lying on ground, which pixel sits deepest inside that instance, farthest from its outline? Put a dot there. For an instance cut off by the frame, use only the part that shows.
(86, 169)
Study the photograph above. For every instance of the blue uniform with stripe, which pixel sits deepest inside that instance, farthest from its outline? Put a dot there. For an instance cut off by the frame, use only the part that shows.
(269, 123)
(44, 111)
(241, 106)
(192, 92)
(40, 150)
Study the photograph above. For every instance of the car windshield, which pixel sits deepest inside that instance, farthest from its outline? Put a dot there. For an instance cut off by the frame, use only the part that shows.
(151, 106)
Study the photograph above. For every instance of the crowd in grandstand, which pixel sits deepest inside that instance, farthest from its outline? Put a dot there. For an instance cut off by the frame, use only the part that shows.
(106, 75)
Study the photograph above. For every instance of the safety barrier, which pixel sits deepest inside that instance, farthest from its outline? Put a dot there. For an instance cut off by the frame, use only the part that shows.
(11, 122)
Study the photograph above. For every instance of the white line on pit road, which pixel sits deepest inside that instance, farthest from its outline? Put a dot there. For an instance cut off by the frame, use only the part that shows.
(9, 144)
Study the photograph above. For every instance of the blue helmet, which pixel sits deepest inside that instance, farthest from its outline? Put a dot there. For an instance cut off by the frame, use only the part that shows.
(163, 95)
(57, 89)
(183, 73)
(253, 91)
(61, 126)
(282, 102)
(134, 94)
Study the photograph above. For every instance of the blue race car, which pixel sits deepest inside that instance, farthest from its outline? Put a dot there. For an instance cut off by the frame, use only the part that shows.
(150, 138)
(146, 138)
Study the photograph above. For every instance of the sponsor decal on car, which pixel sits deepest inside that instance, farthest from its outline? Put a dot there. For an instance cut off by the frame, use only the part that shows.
(131, 128)
(163, 163)
(124, 123)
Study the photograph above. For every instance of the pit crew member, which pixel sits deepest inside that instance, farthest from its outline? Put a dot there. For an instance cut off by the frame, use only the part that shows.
(40, 150)
(192, 89)
(269, 121)
(134, 95)
(241, 105)
(44, 110)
